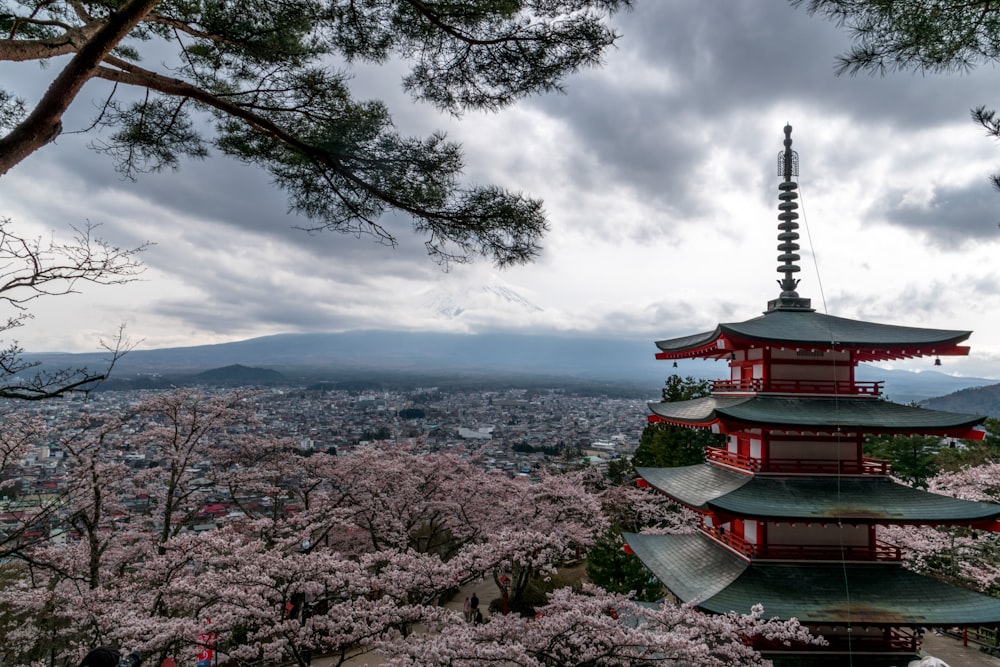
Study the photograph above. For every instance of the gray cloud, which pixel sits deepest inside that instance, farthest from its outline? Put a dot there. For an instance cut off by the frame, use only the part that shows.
(954, 218)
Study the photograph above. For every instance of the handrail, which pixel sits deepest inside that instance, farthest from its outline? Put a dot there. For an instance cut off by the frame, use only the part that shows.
(890, 640)
(866, 466)
(839, 387)
(882, 551)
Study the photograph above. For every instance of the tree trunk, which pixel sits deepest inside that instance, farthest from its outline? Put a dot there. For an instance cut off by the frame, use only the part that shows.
(44, 123)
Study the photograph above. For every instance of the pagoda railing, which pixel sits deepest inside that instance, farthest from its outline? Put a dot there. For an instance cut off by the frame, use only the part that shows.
(882, 551)
(834, 387)
(730, 459)
(866, 466)
(730, 539)
(890, 640)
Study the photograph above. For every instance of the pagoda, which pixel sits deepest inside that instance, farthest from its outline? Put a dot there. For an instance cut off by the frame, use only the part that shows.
(790, 509)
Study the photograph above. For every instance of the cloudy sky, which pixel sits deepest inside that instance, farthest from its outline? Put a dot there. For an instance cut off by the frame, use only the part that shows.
(658, 173)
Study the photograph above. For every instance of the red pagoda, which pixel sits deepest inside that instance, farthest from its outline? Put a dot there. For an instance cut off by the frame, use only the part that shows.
(790, 508)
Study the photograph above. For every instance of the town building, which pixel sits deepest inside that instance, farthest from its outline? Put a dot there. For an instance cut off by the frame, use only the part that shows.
(789, 508)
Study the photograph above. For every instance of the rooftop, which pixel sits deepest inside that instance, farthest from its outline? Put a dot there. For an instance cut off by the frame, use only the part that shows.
(700, 572)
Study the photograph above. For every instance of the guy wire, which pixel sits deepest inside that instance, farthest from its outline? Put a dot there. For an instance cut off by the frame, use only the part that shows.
(836, 394)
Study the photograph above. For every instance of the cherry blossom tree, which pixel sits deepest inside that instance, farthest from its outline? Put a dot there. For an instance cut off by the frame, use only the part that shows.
(32, 269)
(321, 554)
(22, 518)
(963, 555)
(596, 629)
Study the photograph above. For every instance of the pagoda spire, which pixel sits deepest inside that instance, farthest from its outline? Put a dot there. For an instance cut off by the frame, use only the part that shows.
(788, 168)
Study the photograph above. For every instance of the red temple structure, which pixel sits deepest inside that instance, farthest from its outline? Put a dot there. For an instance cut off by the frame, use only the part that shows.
(790, 508)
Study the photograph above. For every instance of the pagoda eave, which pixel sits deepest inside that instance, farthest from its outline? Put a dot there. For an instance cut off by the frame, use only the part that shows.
(709, 576)
(728, 414)
(713, 425)
(809, 330)
(869, 355)
(856, 500)
(720, 348)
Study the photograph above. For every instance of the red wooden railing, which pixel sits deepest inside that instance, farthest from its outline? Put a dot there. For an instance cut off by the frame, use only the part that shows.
(730, 459)
(836, 387)
(866, 466)
(882, 551)
(730, 539)
(893, 640)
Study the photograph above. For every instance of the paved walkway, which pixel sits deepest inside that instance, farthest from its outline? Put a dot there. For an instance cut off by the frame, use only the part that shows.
(952, 651)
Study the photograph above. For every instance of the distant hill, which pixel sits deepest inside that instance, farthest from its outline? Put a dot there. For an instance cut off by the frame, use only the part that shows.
(975, 401)
(238, 375)
(911, 386)
(373, 358)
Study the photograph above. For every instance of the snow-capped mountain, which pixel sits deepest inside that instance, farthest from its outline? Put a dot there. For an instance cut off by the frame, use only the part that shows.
(491, 301)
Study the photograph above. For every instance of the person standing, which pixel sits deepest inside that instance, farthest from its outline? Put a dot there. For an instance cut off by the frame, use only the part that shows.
(467, 609)
(473, 607)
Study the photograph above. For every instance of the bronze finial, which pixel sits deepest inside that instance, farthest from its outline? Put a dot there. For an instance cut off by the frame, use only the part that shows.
(788, 168)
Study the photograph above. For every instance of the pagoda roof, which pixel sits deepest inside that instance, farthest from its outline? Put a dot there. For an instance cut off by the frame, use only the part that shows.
(850, 499)
(797, 328)
(868, 415)
(709, 576)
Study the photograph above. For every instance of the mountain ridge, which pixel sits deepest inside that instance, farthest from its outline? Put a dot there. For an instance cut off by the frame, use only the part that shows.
(510, 355)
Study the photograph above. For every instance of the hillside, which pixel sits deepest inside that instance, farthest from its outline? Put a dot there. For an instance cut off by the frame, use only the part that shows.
(975, 400)
(380, 357)
(238, 375)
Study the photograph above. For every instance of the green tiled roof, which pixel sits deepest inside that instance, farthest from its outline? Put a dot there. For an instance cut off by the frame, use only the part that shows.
(874, 499)
(807, 327)
(695, 486)
(827, 594)
(868, 415)
(692, 567)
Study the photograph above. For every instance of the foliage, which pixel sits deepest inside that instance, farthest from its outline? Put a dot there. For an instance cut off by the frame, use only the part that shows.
(963, 555)
(914, 458)
(595, 629)
(667, 446)
(919, 35)
(290, 556)
(525, 448)
(267, 83)
(677, 388)
(971, 453)
(614, 570)
(620, 471)
(356, 546)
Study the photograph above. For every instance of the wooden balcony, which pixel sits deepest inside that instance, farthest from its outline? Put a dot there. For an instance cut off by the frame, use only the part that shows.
(866, 466)
(882, 551)
(827, 387)
(893, 640)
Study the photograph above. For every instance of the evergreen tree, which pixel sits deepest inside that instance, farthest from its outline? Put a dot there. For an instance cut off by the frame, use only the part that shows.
(914, 458)
(667, 446)
(266, 82)
(614, 570)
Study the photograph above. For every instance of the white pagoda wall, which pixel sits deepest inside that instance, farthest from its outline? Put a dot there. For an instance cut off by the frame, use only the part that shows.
(816, 534)
(810, 450)
(838, 365)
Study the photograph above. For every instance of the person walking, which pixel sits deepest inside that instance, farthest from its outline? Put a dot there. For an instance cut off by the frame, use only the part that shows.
(467, 609)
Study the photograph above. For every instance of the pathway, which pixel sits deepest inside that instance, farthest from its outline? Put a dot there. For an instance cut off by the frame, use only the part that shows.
(951, 650)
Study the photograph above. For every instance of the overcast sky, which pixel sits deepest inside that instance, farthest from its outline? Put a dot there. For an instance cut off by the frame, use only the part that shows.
(658, 173)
